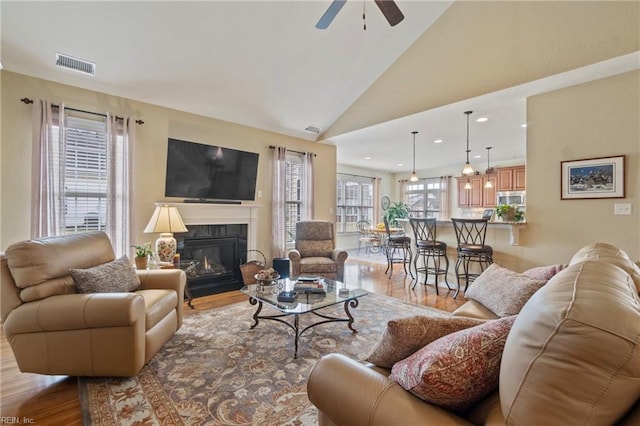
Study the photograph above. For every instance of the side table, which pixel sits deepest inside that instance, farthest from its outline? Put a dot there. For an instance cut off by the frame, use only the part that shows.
(188, 266)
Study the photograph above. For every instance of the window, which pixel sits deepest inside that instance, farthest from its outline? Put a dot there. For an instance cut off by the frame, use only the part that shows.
(354, 202)
(82, 173)
(85, 174)
(423, 198)
(293, 195)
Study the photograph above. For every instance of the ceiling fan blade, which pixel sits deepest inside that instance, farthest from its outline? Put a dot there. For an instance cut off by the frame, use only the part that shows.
(391, 11)
(331, 13)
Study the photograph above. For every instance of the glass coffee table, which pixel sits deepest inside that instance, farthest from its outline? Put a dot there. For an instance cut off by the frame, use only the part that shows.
(303, 303)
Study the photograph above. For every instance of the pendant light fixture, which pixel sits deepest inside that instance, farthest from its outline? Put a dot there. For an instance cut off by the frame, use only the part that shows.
(489, 170)
(414, 176)
(467, 170)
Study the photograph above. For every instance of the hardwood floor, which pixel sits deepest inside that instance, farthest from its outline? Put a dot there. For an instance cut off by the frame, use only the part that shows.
(53, 400)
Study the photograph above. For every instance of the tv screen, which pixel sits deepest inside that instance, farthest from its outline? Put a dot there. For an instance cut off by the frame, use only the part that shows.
(200, 171)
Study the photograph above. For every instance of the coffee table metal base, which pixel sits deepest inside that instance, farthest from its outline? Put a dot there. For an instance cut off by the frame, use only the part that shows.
(353, 303)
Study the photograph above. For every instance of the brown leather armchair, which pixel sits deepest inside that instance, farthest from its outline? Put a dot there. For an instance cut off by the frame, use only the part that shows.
(53, 329)
(315, 253)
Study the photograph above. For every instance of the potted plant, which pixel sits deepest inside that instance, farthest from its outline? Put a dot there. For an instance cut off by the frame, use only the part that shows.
(397, 210)
(143, 251)
(509, 213)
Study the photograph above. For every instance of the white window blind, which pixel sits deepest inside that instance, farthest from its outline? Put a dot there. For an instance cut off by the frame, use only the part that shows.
(293, 195)
(85, 174)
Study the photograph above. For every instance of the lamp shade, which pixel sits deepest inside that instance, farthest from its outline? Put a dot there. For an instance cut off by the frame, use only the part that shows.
(165, 219)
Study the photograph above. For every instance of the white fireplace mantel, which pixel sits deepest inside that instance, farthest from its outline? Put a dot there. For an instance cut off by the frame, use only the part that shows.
(221, 214)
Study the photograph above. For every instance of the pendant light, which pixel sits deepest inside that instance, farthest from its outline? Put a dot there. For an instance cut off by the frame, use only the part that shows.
(489, 170)
(414, 176)
(467, 170)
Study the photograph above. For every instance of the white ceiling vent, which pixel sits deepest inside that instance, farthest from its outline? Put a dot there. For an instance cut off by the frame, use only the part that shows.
(312, 129)
(75, 64)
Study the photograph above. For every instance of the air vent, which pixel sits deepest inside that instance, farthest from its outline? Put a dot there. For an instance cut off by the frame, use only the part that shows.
(75, 64)
(312, 129)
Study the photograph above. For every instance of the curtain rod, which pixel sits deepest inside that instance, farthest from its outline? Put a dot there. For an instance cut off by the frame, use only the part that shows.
(362, 176)
(297, 152)
(30, 101)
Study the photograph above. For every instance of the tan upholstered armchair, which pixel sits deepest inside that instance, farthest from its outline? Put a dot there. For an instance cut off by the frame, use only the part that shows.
(54, 329)
(315, 253)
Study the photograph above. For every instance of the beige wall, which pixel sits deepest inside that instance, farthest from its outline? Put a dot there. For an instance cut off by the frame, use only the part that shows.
(151, 150)
(598, 119)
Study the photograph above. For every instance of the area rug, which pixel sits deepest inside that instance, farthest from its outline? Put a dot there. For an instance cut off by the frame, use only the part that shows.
(218, 371)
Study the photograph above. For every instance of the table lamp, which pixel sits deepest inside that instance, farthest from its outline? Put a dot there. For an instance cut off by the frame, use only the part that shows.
(166, 220)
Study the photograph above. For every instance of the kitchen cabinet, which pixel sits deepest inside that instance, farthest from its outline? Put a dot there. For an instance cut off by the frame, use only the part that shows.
(477, 195)
(489, 194)
(511, 178)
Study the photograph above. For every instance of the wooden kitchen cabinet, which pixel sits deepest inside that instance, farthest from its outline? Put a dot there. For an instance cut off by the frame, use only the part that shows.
(475, 196)
(511, 178)
(489, 194)
(478, 195)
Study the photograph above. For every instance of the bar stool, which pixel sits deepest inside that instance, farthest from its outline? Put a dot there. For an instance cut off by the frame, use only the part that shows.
(398, 249)
(470, 234)
(430, 249)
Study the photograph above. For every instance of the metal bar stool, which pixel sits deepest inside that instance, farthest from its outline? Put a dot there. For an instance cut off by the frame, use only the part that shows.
(430, 250)
(470, 234)
(371, 241)
(398, 250)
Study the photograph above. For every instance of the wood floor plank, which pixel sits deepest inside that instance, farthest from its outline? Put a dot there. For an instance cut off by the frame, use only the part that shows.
(54, 400)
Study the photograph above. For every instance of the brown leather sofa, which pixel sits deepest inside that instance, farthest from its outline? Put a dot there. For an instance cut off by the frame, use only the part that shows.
(571, 357)
(53, 329)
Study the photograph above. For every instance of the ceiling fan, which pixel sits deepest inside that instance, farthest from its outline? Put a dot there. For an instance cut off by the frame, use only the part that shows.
(389, 9)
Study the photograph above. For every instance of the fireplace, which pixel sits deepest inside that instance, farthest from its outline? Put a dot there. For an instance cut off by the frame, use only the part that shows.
(210, 255)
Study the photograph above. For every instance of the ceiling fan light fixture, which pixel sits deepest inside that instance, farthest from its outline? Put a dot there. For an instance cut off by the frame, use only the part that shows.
(414, 176)
(467, 170)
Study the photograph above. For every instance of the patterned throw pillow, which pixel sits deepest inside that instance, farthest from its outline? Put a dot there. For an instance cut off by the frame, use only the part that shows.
(117, 276)
(503, 291)
(544, 272)
(457, 370)
(404, 336)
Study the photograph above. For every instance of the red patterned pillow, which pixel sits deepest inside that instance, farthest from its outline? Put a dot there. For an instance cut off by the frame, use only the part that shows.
(404, 336)
(544, 272)
(457, 370)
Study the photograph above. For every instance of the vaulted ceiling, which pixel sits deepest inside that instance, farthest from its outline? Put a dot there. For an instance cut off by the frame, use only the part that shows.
(262, 64)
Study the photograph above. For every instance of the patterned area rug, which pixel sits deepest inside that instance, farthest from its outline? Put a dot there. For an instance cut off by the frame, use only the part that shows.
(218, 371)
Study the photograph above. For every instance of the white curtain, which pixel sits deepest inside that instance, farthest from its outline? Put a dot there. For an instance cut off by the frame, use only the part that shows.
(403, 190)
(445, 185)
(307, 184)
(48, 171)
(121, 140)
(47, 177)
(278, 248)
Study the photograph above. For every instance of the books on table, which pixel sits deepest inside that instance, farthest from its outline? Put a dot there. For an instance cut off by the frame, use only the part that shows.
(310, 285)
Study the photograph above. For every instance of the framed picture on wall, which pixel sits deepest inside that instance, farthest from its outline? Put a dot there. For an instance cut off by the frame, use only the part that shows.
(592, 178)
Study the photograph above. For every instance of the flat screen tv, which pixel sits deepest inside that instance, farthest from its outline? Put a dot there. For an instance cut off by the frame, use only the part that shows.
(206, 172)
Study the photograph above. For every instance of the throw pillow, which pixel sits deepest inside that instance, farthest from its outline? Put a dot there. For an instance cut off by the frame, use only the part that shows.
(117, 276)
(457, 370)
(404, 336)
(544, 272)
(503, 291)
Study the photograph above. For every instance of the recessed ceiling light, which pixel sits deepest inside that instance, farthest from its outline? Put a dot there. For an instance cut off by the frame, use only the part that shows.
(523, 125)
(477, 156)
(482, 119)
(400, 164)
(367, 158)
(438, 141)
